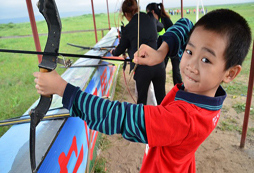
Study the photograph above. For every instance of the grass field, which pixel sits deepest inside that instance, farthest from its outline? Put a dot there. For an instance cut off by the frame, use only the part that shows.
(16, 79)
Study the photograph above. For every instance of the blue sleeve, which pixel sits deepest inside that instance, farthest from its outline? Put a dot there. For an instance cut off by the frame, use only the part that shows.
(108, 117)
(177, 36)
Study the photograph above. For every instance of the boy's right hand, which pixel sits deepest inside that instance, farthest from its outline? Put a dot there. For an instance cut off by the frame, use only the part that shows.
(148, 56)
(49, 83)
(144, 56)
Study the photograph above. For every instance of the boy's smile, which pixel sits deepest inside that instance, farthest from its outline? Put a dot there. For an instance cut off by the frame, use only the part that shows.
(202, 65)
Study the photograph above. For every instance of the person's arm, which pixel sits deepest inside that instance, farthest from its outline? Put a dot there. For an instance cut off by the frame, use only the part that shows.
(109, 117)
(123, 44)
(167, 23)
(159, 25)
(177, 36)
(174, 42)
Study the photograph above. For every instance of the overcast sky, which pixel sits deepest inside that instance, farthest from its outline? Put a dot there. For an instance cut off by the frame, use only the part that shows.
(17, 8)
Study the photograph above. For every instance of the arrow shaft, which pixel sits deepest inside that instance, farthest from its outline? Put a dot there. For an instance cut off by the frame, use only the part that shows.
(114, 58)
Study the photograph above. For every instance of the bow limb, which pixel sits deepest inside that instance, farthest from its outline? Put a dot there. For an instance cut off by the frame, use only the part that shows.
(49, 10)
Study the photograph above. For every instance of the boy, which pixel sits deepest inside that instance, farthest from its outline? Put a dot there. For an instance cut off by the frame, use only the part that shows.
(174, 129)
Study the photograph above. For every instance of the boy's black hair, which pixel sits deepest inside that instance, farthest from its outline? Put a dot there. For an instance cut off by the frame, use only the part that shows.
(236, 29)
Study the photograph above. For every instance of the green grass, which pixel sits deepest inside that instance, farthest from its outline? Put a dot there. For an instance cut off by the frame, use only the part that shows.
(229, 126)
(98, 165)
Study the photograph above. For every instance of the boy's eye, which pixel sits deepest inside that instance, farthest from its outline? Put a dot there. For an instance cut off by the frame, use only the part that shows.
(205, 60)
(188, 51)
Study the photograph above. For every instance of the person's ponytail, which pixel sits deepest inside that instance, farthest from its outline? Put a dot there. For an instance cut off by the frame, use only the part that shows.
(163, 12)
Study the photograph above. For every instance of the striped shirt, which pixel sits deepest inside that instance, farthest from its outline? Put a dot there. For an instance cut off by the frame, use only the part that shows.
(177, 36)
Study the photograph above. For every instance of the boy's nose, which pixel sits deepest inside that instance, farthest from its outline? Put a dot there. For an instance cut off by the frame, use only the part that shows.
(193, 66)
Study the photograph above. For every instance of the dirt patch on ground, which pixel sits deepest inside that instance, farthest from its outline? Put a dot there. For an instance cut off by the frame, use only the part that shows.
(220, 152)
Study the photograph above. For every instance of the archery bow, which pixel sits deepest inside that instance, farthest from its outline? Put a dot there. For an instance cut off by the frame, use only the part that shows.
(49, 10)
(92, 48)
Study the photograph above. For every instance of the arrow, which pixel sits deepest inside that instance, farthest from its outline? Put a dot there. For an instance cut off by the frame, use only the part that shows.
(83, 66)
(114, 58)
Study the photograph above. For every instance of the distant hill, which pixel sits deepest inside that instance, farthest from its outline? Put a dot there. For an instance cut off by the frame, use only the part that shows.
(37, 18)
(20, 19)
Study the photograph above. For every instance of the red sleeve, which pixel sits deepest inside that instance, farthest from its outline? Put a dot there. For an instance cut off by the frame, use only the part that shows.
(168, 125)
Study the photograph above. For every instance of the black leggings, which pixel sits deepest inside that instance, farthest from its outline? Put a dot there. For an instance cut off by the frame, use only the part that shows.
(175, 61)
(144, 75)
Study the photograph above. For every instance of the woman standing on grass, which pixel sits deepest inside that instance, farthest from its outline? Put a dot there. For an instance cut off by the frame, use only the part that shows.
(144, 75)
(161, 15)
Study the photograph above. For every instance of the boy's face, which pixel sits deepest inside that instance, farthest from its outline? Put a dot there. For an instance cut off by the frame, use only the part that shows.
(202, 65)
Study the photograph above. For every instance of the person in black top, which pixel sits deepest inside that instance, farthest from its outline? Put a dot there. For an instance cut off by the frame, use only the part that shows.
(158, 24)
(129, 40)
(161, 15)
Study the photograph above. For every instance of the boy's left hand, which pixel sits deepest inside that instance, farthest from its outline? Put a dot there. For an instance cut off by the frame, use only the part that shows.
(111, 51)
(49, 83)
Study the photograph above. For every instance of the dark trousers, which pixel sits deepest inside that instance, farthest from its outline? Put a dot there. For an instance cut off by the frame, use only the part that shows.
(175, 62)
(144, 75)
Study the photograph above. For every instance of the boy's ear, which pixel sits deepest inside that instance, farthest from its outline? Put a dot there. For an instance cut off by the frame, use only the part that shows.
(232, 73)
